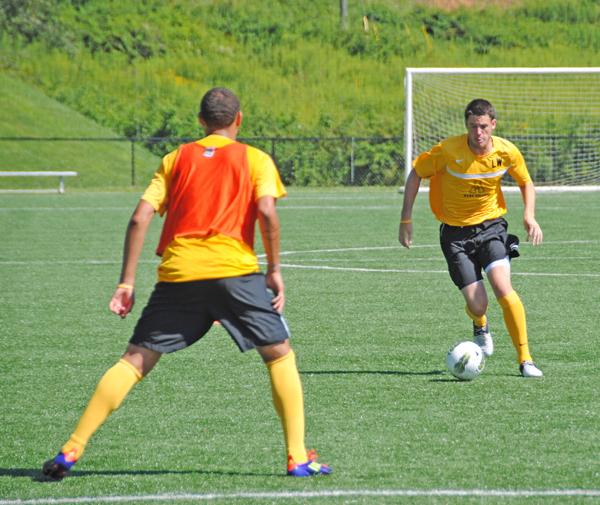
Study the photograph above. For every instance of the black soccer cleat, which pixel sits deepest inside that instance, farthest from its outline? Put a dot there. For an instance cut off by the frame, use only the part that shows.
(512, 246)
(58, 467)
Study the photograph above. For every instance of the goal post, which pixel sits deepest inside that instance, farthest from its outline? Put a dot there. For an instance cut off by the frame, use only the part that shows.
(551, 114)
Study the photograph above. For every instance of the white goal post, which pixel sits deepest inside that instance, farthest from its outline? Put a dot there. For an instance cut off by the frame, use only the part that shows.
(551, 114)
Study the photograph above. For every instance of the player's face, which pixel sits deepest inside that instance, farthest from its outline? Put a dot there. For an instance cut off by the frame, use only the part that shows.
(480, 129)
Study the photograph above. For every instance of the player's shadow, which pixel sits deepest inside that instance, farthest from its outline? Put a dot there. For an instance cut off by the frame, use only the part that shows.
(37, 476)
(371, 372)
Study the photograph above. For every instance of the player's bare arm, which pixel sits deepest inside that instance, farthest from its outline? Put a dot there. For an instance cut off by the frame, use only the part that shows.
(411, 190)
(533, 229)
(269, 227)
(123, 298)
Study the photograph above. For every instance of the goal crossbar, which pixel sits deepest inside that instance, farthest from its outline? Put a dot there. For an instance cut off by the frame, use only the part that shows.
(413, 73)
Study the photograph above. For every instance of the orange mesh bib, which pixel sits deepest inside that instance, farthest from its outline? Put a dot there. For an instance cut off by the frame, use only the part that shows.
(210, 192)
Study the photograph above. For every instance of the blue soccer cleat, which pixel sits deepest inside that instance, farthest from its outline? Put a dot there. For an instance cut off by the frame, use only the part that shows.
(58, 467)
(308, 469)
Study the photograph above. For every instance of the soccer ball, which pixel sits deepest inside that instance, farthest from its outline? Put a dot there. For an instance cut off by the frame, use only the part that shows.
(465, 360)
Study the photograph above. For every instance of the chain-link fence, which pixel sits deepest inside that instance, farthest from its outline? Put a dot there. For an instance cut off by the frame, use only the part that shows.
(105, 162)
(302, 161)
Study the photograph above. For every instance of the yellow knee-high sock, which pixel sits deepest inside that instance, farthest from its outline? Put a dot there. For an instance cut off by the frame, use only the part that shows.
(514, 317)
(480, 321)
(110, 392)
(289, 403)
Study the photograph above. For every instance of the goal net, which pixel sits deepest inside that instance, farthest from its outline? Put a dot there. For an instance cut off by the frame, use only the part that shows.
(551, 114)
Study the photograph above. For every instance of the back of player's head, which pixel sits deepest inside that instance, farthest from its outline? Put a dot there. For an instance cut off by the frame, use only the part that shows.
(480, 107)
(219, 107)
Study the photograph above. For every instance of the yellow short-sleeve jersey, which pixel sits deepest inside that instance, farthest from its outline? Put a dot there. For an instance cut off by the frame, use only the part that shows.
(216, 256)
(465, 189)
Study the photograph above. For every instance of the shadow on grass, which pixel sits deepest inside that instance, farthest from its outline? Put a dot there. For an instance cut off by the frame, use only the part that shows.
(369, 372)
(36, 474)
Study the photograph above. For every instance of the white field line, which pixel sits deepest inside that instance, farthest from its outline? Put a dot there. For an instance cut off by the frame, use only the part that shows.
(70, 262)
(77, 209)
(290, 495)
(338, 207)
(423, 271)
(324, 267)
(285, 206)
(418, 246)
(440, 259)
(279, 207)
(351, 249)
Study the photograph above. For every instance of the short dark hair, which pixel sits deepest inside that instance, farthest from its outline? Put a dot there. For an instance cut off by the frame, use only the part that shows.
(219, 107)
(480, 107)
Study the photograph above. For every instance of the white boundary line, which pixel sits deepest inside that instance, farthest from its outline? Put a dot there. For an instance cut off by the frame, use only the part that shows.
(71, 262)
(325, 267)
(302, 267)
(68, 209)
(419, 246)
(420, 271)
(390, 206)
(286, 495)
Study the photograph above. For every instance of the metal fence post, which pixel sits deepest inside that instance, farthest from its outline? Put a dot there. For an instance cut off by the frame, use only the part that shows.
(352, 160)
(132, 162)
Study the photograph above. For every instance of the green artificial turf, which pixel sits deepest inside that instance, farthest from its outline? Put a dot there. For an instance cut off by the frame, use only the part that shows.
(371, 323)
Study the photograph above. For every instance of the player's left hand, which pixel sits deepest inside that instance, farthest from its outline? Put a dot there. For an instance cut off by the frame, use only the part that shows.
(534, 231)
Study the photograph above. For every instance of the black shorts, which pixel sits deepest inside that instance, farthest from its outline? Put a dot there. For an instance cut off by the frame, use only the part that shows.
(470, 249)
(179, 314)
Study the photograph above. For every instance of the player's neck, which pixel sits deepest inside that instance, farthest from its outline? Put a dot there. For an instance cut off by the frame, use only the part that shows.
(224, 132)
(228, 131)
(481, 150)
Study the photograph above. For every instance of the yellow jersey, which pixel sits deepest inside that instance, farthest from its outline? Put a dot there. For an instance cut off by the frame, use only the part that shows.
(216, 256)
(465, 189)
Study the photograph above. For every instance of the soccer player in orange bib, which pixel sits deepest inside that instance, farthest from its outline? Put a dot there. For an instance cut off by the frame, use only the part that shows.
(465, 173)
(212, 191)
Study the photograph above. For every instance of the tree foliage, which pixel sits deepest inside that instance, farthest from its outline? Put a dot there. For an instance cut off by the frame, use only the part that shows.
(141, 67)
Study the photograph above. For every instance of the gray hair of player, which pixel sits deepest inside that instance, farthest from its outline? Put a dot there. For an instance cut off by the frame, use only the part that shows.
(218, 108)
(480, 107)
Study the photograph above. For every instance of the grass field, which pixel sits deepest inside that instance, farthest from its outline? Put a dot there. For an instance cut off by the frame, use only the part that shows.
(371, 324)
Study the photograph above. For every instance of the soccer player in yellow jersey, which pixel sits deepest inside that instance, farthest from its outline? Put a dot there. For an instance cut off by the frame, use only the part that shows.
(212, 191)
(465, 173)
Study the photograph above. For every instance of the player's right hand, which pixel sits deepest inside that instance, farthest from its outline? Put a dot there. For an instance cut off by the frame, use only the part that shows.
(275, 284)
(122, 301)
(405, 234)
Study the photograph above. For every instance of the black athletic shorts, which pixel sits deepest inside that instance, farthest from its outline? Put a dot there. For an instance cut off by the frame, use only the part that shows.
(470, 249)
(179, 314)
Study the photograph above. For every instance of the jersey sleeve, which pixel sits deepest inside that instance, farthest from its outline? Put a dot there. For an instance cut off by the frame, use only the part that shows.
(518, 169)
(265, 175)
(157, 192)
(430, 162)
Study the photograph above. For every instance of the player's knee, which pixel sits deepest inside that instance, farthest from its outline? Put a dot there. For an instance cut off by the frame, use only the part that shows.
(274, 351)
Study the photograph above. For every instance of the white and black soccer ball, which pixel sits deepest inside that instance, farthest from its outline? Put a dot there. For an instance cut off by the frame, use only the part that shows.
(465, 360)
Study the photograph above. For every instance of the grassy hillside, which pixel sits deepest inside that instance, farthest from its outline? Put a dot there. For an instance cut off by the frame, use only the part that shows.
(27, 112)
(139, 68)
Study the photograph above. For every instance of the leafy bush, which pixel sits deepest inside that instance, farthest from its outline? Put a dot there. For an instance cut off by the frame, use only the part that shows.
(141, 67)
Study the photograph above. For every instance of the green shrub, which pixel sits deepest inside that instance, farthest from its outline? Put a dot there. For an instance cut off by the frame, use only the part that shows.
(140, 68)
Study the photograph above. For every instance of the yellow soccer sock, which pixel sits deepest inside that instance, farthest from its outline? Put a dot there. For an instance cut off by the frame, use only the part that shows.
(110, 392)
(514, 317)
(289, 403)
(480, 321)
